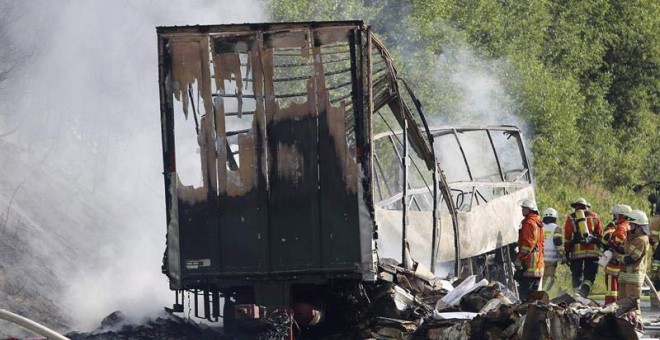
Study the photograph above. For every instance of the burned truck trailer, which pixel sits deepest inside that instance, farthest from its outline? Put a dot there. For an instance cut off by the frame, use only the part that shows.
(294, 158)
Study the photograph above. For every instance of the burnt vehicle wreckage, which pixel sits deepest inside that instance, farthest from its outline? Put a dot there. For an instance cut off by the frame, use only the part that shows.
(302, 179)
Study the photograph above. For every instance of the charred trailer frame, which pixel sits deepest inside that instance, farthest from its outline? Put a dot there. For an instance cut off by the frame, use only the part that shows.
(268, 157)
(277, 180)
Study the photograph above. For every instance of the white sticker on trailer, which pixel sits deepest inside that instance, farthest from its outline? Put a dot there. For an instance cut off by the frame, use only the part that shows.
(195, 264)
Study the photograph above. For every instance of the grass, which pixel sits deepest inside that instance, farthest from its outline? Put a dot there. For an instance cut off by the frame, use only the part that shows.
(563, 281)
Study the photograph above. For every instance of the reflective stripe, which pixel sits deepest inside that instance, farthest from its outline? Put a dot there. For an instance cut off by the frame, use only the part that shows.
(585, 251)
(631, 277)
(584, 256)
(585, 248)
(613, 271)
(579, 252)
(608, 232)
(532, 271)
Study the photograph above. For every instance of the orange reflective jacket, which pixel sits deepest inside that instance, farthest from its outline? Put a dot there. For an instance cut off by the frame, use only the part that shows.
(581, 249)
(617, 243)
(531, 245)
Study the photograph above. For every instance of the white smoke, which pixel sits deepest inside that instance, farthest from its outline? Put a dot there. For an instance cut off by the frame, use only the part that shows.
(87, 105)
(475, 87)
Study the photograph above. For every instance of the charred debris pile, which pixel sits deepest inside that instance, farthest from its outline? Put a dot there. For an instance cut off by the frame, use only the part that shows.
(164, 327)
(418, 305)
(414, 304)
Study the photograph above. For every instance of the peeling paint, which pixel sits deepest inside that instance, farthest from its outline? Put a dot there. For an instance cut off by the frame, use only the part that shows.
(188, 193)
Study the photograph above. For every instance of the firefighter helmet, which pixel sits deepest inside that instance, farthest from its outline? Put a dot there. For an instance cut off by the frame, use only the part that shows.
(638, 217)
(621, 209)
(580, 201)
(528, 203)
(550, 212)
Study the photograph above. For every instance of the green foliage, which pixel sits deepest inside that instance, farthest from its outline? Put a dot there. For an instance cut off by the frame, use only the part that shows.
(583, 77)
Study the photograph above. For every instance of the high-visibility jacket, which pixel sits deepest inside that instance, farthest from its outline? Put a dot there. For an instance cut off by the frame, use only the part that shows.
(531, 245)
(574, 244)
(637, 247)
(616, 244)
(550, 251)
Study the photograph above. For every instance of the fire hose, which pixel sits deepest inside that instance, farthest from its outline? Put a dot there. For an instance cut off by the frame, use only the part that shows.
(31, 325)
(650, 283)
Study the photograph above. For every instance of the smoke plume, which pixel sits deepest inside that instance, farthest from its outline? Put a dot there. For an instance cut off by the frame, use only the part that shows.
(85, 110)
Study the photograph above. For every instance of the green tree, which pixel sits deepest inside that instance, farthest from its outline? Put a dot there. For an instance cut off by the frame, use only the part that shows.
(583, 76)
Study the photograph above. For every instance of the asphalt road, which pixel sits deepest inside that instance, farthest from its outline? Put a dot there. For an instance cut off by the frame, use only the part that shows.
(651, 319)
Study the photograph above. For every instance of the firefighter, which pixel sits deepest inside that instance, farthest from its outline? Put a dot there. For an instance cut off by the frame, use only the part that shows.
(614, 239)
(633, 260)
(553, 249)
(529, 261)
(582, 235)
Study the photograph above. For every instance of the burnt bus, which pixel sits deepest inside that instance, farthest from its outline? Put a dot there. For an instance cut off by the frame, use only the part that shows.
(484, 173)
(294, 158)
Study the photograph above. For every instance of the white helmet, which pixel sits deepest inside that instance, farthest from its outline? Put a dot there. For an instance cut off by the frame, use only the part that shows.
(621, 209)
(528, 203)
(580, 202)
(638, 217)
(550, 213)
